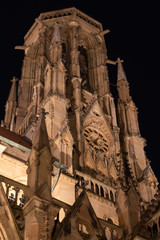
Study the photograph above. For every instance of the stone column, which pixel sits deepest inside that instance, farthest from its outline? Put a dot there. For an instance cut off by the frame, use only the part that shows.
(77, 96)
(74, 53)
(76, 81)
(91, 69)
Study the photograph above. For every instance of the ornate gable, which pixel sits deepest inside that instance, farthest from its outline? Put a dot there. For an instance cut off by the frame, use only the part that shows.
(97, 119)
(99, 140)
(81, 222)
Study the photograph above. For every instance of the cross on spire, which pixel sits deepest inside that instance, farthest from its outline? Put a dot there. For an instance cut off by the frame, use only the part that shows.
(41, 137)
(119, 60)
(14, 79)
(120, 71)
(13, 93)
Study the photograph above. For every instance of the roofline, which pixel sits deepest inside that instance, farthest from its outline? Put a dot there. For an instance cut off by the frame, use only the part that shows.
(21, 147)
(70, 11)
(74, 12)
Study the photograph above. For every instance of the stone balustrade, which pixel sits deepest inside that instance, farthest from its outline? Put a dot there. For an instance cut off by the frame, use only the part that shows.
(15, 192)
(97, 187)
(25, 123)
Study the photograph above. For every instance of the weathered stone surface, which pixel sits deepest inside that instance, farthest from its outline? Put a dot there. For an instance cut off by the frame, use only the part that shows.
(77, 169)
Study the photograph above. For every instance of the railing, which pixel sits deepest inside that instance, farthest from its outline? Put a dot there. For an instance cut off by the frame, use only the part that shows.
(25, 123)
(68, 12)
(96, 187)
(15, 192)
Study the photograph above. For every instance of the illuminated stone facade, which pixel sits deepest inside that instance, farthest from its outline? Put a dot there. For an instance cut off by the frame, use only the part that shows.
(71, 166)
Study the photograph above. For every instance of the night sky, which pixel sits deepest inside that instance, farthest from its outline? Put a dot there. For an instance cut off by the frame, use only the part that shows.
(134, 37)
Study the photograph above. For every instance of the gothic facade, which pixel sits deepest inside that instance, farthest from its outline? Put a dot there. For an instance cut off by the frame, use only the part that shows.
(72, 165)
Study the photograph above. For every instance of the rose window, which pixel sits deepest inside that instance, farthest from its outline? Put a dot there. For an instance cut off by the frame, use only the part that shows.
(96, 139)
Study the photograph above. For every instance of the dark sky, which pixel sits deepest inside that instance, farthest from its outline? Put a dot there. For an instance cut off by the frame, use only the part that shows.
(134, 37)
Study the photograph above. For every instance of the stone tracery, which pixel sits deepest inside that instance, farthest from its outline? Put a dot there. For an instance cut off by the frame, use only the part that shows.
(65, 61)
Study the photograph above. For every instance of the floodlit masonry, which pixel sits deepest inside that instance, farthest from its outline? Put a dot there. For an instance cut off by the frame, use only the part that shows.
(72, 164)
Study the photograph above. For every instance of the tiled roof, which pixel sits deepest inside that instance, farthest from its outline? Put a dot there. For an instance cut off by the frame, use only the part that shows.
(15, 137)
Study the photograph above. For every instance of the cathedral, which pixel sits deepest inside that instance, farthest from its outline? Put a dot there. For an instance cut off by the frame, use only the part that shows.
(72, 159)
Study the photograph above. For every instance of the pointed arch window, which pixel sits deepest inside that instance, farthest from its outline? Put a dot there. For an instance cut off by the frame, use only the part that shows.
(97, 189)
(111, 196)
(102, 191)
(64, 54)
(107, 194)
(83, 62)
(92, 186)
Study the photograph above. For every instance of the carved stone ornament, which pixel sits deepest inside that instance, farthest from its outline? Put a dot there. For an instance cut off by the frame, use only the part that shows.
(96, 139)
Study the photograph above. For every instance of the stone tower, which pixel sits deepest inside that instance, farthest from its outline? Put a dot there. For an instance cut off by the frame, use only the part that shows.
(87, 175)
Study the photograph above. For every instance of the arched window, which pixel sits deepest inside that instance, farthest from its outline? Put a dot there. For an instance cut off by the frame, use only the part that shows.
(83, 62)
(20, 198)
(111, 196)
(97, 189)
(92, 186)
(106, 194)
(12, 194)
(102, 191)
(64, 54)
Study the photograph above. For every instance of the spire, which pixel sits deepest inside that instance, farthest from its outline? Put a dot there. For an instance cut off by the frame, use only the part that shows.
(13, 91)
(120, 73)
(39, 221)
(40, 162)
(126, 176)
(10, 109)
(122, 83)
(41, 137)
(127, 192)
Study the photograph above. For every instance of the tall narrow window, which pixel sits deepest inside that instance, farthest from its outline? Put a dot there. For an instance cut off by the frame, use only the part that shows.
(107, 194)
(83, 61)
(111, 196)
(97, 189)
(102, 191)
(92, 186)
(64, 54)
